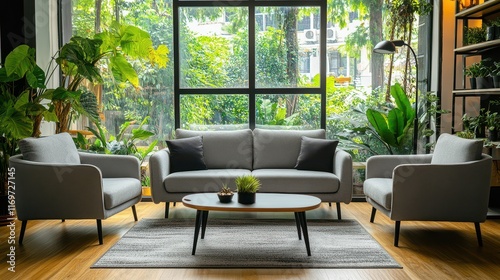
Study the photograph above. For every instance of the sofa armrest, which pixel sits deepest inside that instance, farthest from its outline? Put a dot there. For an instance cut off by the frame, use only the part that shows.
(382, 166)
(57, 191)
(159, 168)
(342, 167)
(113, 166)
(449, 192)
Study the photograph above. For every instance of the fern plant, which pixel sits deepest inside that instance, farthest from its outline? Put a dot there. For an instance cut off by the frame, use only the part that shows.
(247, 184)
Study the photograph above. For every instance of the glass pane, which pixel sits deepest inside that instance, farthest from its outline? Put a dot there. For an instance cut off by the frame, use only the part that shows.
(288, 111)
(213, 47)
(287, 56)
(214, 112)
(154, 98)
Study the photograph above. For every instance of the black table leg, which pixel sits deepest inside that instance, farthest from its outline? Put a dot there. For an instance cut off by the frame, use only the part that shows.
(303, 223)
(204, 224)
(297, 221)
(197, 229)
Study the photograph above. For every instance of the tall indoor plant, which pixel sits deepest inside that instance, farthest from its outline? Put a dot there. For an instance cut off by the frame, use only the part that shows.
(86, 59)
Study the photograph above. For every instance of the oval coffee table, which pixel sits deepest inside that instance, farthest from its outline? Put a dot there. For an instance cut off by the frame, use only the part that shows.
(264, 202)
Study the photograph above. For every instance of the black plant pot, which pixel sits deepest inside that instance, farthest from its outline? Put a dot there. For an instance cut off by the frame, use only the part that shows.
(483, 82)
(246, 198)
(493, 135)
(496, 81)
(497, 32)
(490, 33)
(225, 198)
(473, 84)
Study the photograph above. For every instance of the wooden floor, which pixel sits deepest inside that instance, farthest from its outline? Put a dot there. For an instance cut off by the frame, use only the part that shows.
(428, 250)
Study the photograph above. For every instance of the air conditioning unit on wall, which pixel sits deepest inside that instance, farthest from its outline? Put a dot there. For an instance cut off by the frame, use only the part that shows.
(310, 35)
(331, 34)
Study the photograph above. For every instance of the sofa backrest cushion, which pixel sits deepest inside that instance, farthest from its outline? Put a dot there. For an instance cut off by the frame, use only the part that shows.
(316, 154)
(224, 149)
(279, 148)
(453, 149)
(57, 148)
(186, 154)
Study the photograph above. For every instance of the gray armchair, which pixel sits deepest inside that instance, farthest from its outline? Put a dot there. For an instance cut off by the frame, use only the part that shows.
(54, 181)
(452, 184)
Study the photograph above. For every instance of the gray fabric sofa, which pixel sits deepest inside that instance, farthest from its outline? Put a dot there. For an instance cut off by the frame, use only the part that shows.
(270, 155)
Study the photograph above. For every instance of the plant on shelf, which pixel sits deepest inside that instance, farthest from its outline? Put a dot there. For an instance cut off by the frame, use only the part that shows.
(247, 186)
(479, 74)
(476, 124)
(474, 35)
(493, 29)
(495, 74)
(225, 194)
(493, 125)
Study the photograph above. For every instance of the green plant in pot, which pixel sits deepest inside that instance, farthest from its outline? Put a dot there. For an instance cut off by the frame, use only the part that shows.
(483, 79)
(247, 186)
(474, 35)
(493, 125)
(473, 71)
(225, 194)
(495, 74)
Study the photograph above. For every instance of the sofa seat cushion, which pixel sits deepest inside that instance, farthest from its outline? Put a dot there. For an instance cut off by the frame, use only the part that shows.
(120, 190)
(199, 181)
(224, 149)
(379, 190)
(296, 181)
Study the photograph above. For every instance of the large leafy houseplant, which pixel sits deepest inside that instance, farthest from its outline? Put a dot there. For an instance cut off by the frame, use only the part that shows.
(392, 127)
(22, 83)
(85, 59)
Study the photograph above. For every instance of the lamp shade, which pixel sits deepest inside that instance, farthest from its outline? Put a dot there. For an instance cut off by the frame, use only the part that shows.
(385, 47)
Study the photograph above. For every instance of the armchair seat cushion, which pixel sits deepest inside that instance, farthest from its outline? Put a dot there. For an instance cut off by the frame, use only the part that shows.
(379, 190)
(297, 181)
(120, 190)
(197, 181)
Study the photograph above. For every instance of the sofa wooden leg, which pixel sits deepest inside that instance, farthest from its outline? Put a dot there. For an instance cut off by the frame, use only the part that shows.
(174, 203)
(167, 204)
(134, 212)
(63, 220)
(330, 204)
(396, 233)
(99, 230)
(339, 213)
(372, 217)
(478, 234)
(23, 229)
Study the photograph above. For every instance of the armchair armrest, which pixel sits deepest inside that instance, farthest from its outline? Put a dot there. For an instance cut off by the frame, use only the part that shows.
(382, 166)
(342, 167)
(442, 192)
(113, 166)
(159, 168)
(57, 191)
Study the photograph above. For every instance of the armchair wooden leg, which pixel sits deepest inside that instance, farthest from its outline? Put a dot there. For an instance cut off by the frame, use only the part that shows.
(63, 220)
(167, 204)
(339, 213)
(99, 230)
(135, 213)
(478, 234)
(23, 229)
(396, 233)
(372, 217)
(330, 204)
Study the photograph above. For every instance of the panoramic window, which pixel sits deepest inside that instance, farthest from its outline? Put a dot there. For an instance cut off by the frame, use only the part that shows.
(246, 64)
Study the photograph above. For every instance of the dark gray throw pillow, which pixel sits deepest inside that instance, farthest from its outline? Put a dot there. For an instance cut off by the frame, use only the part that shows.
(316, 154)
(186, 154)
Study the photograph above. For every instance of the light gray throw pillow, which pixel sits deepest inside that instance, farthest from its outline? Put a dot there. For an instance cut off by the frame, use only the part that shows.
(57, 148)
(453, 149)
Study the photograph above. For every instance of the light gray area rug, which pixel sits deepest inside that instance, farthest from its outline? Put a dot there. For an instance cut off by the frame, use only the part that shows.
(251, 243)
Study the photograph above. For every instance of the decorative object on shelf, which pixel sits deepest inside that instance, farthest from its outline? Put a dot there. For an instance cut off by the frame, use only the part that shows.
(480, 75)
(247, 186)
(466, 4)
(472, 72)
(225, 194)
(493, 29)
(389, 47)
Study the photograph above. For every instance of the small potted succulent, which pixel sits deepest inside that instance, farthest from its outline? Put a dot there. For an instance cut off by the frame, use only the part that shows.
(225, 194)
(247, 186)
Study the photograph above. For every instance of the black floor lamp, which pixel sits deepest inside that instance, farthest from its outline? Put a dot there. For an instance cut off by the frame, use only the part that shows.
(389, 47)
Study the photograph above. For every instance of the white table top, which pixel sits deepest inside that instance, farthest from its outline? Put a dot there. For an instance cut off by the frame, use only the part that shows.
(264, 202)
